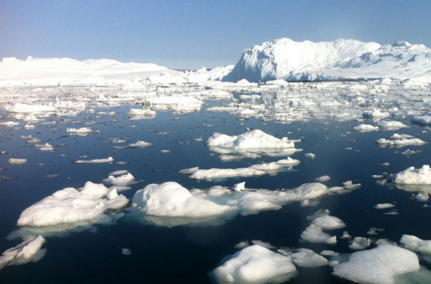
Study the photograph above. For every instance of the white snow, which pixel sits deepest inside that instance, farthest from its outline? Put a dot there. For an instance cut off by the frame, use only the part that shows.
(255, 264)
(401, 140)
(378, 266)
(139, 144)
(70, 205)
(384, 205)
(390, 125)
(360, 243)
(413, 176)
(323, 178)
(79, 131)
(365, 128)
(328, 222)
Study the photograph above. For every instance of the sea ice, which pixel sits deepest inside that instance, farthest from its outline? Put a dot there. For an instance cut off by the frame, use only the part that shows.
(16, 161)
(360, 243)
(79, 131)
(121, 180)
(95, 161)
(329, 222)
(308, 258)
(412, 176)
(24, 252)
(315, 234)
(390, 125)
(172, 200)
(365, 128)
(384, 205)
(255, 264)
(70, 205)
(378, 266)
(323, 178)
(413, 243)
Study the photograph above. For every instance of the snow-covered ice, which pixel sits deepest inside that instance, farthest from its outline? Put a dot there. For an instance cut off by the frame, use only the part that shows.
(28, 250)
(413, 176)
(416, 244)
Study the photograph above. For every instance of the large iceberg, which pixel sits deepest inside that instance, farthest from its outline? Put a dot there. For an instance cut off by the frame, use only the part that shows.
(341, 59)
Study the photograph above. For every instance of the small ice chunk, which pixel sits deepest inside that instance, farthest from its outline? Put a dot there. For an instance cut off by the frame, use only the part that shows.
(255, 264)
(384, 205)
(122, 180)
(22, 253)
(322, 178)
(310, 155)
(242, 244)
(126, 251)
(239, 186)
(315, 234)
(288, 162)
(308, 258)
(262, 244)
(360, 243)
(95, 161)
(390, 125)
(329, 222)
(82, 130)
(16, 161)
(188, 171)
(139, 144)
(365, 128)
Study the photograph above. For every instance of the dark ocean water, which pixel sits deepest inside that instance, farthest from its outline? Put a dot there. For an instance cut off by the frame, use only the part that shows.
(186, 254)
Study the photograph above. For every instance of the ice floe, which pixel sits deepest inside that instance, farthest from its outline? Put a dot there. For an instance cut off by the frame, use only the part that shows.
(315, 234)
(95, 161)
(308, 258)
(71, 205)
(378, 266)
(122, 180)
(412, 176)
(365, 128)
(28, 250)
(255, 264)
(416, 244)
(400, 140)
(360, 243)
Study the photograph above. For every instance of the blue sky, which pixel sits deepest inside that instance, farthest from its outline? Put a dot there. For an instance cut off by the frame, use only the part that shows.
(195, 33)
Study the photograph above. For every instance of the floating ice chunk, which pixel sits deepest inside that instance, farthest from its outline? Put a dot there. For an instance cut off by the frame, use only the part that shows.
(322, 178)
(9, 123)
(126, 251)
(378, 266)
(226, 173)
(310, 155)
(374, 231)
(329, 253)
(255, 139)
(139, 144)
(375, 114)
(413, 243)
(422, 197)
(360, 243)
(118, 173)
(45, 147)
(329, 222)
(79, 131)
(384, 205)
(122, 180)
(188, 171)
(95, 161)
(288, 162)
(70, 205)
(136, 114)
(423, 120)
(16, 161)
(239, 186)
(390, 125)
(25, 108)
(308, 258)
(242, 244)
(24, 252)
(398, 140)
(315, 234)
(254, 202)
(413, 176)
(255, 264)
(365, 128)
(173, 200)
(176, 103)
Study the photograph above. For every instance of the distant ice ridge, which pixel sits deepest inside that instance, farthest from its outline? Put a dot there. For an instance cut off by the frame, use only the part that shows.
(341, 59)
(71, 205)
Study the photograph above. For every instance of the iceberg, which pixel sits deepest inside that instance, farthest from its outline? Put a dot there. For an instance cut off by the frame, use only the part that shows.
(412, 176)
(26, 251)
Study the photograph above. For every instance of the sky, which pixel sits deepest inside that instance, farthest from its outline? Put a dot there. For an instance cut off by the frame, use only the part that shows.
(190, 34)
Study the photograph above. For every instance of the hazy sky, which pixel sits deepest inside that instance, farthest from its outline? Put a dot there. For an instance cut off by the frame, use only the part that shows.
(195, 33)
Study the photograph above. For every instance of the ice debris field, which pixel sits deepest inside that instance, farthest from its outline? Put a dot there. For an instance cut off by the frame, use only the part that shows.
(303, 163)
